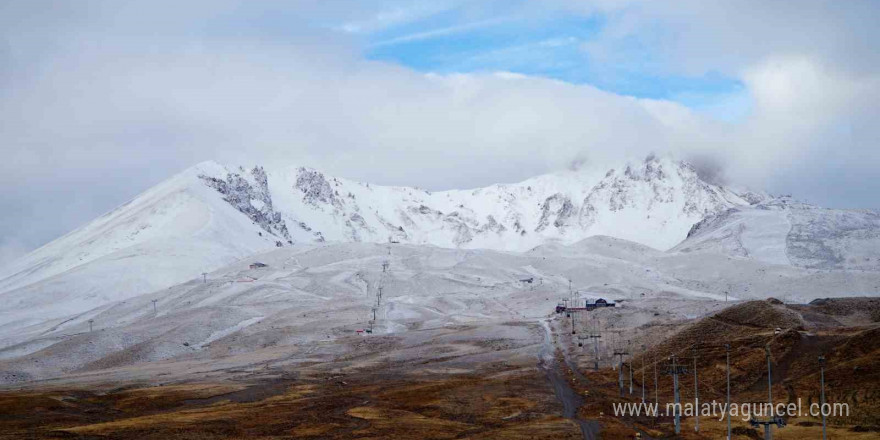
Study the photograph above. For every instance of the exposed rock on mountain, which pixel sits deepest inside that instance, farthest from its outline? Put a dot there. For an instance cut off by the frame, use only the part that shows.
(253, 200)
(784, 231)
(653, 202)
(210, 216)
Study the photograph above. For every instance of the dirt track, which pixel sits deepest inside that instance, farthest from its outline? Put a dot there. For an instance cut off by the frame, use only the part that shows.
(509, 380)
(566, 395)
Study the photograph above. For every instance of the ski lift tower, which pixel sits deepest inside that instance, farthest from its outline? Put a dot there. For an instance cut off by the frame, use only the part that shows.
(675, 370)
(768, 433)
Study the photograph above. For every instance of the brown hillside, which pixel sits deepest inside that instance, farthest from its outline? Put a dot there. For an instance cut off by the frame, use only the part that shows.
(805, 332)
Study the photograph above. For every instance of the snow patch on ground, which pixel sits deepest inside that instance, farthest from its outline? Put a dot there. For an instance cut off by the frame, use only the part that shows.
(228, 331)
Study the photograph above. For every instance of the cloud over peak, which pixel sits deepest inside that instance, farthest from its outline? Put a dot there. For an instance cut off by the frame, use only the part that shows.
(101, 100)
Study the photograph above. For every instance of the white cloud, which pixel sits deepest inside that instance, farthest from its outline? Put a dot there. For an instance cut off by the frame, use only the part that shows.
(102, 106)
(110, 120)
(812, 81)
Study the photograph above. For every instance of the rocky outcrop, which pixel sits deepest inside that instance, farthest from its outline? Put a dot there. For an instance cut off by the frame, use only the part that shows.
(252, 198)
(556, 210)
(316, 190)
(659, 195)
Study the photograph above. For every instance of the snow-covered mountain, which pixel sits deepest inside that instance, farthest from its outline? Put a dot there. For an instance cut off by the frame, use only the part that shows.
(501, 252)
(314, 297)
(783, 231)
(168, 234)
(654, 203)
(211, 215)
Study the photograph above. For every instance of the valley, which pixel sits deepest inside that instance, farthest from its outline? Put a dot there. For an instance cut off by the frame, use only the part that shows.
(199, 310)
(465, 344)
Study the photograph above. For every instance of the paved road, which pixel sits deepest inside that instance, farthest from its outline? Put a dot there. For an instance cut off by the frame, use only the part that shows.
(566, 395)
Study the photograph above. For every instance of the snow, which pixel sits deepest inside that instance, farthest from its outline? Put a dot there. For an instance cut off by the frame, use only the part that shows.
(169, 234)
(228, 331)
(210, 215)
(654, 203)
(460, 258)
(747, 232)
(326, 292)
(782, 231)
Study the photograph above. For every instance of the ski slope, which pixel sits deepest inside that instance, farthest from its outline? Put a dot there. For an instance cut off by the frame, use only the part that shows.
(317, 295)
(783, 231)
(170, 233)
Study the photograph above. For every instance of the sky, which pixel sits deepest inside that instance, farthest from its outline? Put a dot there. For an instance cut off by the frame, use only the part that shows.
(99, 100)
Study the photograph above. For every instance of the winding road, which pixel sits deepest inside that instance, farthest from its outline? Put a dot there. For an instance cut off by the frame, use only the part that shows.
(566, 395)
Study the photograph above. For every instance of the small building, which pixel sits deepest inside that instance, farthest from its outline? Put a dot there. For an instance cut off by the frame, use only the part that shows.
(588, 306)
(257, 265)
(601, 302)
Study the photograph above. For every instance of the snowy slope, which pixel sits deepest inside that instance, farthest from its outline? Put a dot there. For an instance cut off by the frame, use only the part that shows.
(211, 215)
(166, 235)
(783, 231)
(654, 202)
(311, 296)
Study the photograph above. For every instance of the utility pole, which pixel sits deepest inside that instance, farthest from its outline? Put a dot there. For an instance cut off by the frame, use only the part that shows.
(656, 385)
(595, 338)
(204, 277)
(571, 295)
(772, 420)
(822, 395)
(643, 373)
(677, 400)
(769, 379)
(90, 325)
(620, 355)
(628, 344)
(154, 306)
(696, 396)
(768, 431)
(572, 322)
(727, 415)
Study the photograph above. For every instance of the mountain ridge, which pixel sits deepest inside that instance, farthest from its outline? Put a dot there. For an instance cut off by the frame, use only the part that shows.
(210, 215)
(785, 231)
(305, 204)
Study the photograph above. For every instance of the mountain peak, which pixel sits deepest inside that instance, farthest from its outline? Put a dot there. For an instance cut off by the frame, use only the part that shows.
(210, 215)
(659, 197)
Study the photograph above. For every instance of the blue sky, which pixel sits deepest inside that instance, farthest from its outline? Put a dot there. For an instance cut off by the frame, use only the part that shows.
(101, 99)
(551, 45)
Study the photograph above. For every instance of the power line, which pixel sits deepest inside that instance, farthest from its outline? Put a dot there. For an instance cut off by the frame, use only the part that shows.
(696, 395)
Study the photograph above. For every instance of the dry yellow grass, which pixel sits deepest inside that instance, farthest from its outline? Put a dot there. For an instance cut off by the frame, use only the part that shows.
(713, 428)
(514, 406)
